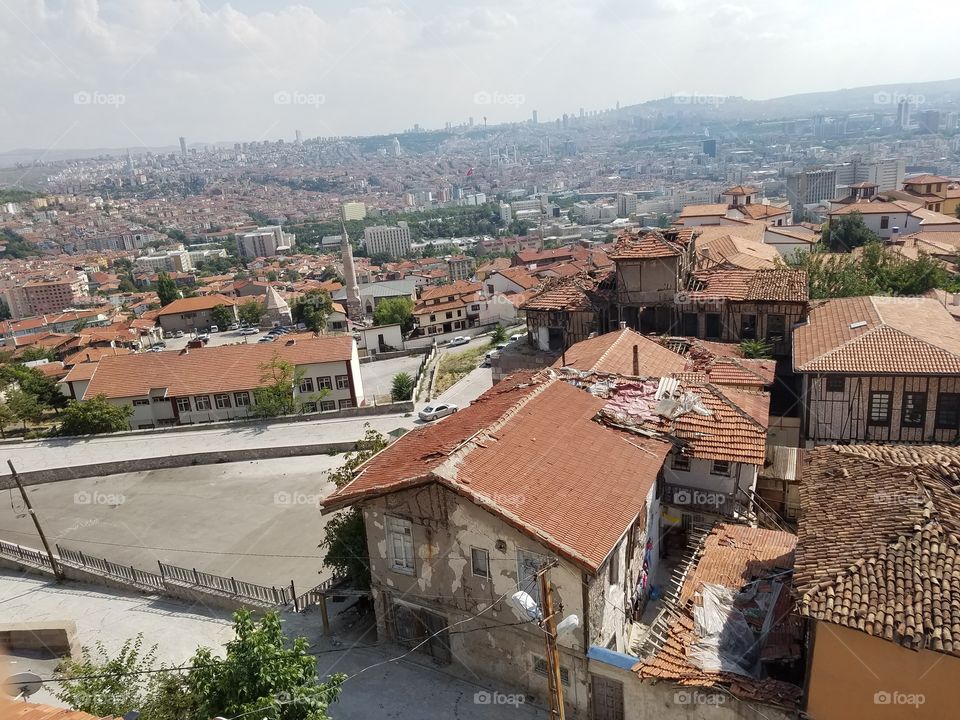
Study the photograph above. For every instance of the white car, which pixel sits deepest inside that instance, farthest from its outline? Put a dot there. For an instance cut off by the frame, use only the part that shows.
(234, 326)
(459, 340)
(249, 331)
(439, 410)
(518, 336)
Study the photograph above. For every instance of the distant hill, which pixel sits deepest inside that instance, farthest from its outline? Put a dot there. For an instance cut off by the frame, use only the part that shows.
(871, 98)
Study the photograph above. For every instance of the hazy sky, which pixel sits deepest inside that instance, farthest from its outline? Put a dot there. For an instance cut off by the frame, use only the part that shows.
(118, 73)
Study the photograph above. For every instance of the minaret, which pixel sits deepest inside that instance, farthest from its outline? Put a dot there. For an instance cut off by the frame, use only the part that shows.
(352, 305)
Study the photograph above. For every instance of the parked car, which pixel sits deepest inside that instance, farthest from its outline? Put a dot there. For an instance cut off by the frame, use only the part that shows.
(155, 349)
(214, 328)
(434, 412)
(249, 331)
(204, 338)
(267, 338)
(234, 326)
(159, 344)
(459, 340)
(518, 336)
(168, 334)
(178, 334)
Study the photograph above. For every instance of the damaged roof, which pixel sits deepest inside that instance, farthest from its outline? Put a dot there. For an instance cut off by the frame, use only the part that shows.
(879, 542)
(733, 556)
(575, 485)
(567, 293)
(744, 285)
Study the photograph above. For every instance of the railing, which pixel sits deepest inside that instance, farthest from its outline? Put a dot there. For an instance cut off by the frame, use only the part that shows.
(169, 574)
(27, 555)
(126, 573)
(315, 595)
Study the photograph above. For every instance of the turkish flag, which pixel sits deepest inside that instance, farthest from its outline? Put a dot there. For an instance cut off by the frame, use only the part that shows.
(469, 172)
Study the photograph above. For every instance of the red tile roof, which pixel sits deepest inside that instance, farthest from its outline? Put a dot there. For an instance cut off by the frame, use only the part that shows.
(518, 276)
(781, 285)
(195, 304)
(460, 287)
(207, 370)
(613, 353)
(647, 247)
(906, 336)
(569, 293)
(577, 485)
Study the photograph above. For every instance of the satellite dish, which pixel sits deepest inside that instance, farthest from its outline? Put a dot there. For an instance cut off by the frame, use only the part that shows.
(568, 624)
(22, 685)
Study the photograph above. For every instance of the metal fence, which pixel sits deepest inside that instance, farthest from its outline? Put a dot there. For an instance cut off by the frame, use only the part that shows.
(169, 574)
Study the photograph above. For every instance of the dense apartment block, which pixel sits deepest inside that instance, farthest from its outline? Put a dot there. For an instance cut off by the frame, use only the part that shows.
(265, 242)
(386, 240)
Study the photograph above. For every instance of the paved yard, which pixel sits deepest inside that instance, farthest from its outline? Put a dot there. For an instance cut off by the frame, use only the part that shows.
(408, 689)
(256, 521)
(378, 376)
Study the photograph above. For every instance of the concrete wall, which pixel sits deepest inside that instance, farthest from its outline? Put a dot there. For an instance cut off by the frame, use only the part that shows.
(445, 528)
(855, 675)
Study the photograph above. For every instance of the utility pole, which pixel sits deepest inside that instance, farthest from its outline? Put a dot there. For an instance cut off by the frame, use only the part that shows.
(554, 683)
(54, 565)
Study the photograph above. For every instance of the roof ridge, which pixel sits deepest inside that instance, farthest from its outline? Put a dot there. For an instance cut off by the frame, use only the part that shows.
(736, 407)
(622, 334)
(843, 345)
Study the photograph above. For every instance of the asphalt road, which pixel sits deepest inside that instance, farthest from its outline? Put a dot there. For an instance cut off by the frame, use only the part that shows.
(256, 521)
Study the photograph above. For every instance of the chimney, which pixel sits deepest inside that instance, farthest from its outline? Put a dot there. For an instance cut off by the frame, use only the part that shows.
(636, 360)
(291, 342)
(623, 324)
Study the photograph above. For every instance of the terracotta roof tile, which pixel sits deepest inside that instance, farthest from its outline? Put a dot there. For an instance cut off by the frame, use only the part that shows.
(613, 353)
(650, 246)
(878, 546)
(780, 285)
(195, 304)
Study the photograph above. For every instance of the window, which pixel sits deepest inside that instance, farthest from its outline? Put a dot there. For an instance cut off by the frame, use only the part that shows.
(712, 326)
(449, 314)
(948, 411)
(324, 383)
(691, 324)
(149, 426)
(884, 222)
(480, 560)
(141, 401)
(748, 327)
(776, 327)
(327, 405)
(835, 383)
(202, 402)
(183, 404)
(680, 462)
(475, 308)
(720, 467)
(306, 385)
(241, 399)
(344, 404)
(343, 382)
(433, 318)
(222, 400)
(914, 409)
(400, 545)
(309, 407)
(614, 566)
(540, 667)
(157, 398)
(879, 408)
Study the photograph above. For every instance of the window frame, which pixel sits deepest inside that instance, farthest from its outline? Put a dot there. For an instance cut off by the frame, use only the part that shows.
(397, 527)
(206, 405)
(181, 401)
(920, 409)
(939, 423)
(140, 402)
(245, 395)
(674, 465)
(713, 468)
(306, 385)
(832, 379)
(782, 321)
(225, 397)
(473, 562)
(343, 382)
(328, 406)
(324, 382)
(879, 395)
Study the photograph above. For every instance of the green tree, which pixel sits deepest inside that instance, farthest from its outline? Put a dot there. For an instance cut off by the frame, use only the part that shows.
(36, 352)
(312, 309)
(251, 312)
(7, 417)
(222, 316)
(94, 416)
(756, 349)
(4, 310)
(275, 396)
(31, 381)
(262, 675)
(271, 276)
(25, 407)
(345, 536)
(499, 335)
(402, 387)
(166, 289)
(395, 310)
(847, 233)
(105, 685)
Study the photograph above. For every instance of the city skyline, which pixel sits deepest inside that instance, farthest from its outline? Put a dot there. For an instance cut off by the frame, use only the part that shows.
(104, 75)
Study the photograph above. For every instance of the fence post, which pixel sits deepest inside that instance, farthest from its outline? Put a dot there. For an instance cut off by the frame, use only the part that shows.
(161, 570)
(83, 559)
(293, 596)
(233, 584)
(196, 577)
(20, 550)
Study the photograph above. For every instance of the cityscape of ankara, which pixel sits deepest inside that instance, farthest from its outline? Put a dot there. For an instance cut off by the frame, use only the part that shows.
(419, 360)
